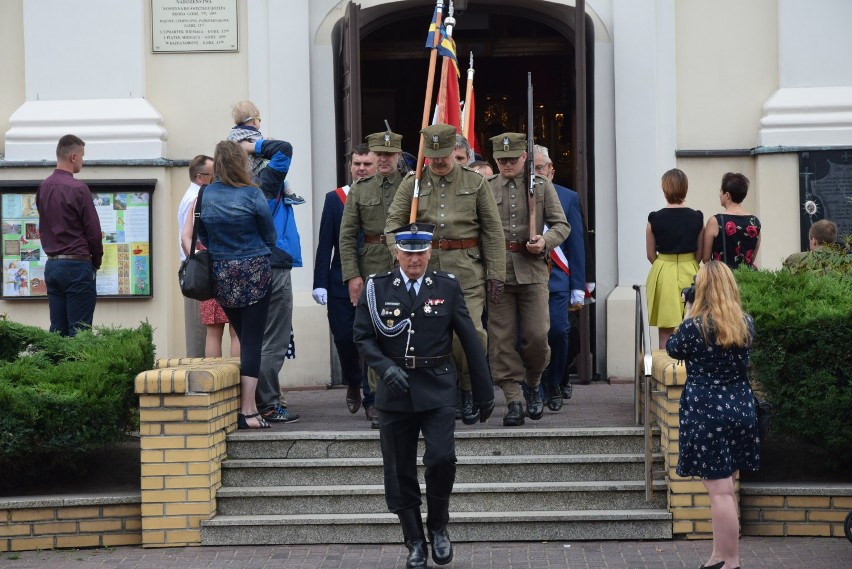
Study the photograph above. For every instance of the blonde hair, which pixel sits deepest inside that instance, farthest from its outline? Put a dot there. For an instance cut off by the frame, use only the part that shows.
(230, 165)
(243, 112)
(717, 305)
(675, 184)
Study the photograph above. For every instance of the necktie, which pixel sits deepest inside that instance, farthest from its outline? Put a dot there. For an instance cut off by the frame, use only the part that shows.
(411, 292)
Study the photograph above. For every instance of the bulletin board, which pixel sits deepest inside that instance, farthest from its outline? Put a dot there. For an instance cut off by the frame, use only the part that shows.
(124, 210)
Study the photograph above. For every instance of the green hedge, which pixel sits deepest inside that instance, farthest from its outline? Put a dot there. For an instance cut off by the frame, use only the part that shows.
(801, 357)
(63, 398)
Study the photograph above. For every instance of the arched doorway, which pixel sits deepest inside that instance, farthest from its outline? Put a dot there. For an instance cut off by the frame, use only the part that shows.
(382, 63)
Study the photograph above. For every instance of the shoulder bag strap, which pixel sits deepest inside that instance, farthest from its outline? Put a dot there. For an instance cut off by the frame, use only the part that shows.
(196, 220)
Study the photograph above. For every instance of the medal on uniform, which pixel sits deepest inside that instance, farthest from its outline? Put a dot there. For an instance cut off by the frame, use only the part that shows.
(427, 309)
(389, 323)
(396, 312)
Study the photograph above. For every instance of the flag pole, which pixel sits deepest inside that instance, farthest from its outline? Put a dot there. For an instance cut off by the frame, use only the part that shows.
(468, 92)
(427, 105)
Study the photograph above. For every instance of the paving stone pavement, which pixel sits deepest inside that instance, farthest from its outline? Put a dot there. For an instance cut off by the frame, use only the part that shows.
(755, 553)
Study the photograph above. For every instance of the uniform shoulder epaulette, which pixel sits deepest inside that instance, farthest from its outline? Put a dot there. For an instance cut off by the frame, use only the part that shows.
(380, 275)
(409, 174)
(539, 179)
(491, 177)
(444, 274)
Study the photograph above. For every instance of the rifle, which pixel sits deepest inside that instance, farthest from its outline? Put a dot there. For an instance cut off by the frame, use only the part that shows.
(530, 166)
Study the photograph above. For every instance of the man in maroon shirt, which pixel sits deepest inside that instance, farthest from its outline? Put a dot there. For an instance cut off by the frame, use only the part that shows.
(71, 238)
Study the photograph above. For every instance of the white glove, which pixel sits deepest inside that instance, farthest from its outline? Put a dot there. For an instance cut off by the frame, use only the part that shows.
(320, 295)
(578, 296)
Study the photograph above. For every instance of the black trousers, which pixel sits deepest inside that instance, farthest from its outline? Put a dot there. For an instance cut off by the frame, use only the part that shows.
(399, 433)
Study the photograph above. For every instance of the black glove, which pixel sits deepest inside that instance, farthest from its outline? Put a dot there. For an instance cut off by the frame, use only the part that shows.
(485, 410)
(495, 290)
(396, 380)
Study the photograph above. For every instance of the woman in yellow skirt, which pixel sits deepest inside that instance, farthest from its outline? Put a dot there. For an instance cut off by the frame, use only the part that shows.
(673, 245)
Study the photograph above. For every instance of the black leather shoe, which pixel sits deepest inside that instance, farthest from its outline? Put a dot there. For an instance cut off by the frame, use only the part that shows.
(535, 406)
(470, 412)
(554, 398)
(515, 416)
(567, 391)
(442, 547)
(353, 398)
(417, 554)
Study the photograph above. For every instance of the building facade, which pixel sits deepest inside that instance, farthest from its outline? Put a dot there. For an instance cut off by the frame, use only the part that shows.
(708, 87)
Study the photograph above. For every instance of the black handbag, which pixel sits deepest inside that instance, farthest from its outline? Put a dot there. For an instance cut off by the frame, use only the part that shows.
(195, 275)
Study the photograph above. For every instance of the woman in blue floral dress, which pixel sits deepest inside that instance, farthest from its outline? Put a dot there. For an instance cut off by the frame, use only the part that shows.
(718, 418)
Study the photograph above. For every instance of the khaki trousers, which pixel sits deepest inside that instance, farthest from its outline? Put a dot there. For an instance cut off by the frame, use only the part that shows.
(517, 338)
(475, 300)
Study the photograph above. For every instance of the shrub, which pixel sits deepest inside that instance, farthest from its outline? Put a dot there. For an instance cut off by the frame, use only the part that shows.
(801, 356)
(62, 398)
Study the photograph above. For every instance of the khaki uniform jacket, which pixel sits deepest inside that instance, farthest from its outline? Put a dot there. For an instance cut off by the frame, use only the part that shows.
(512, 203)
(461, 207)
(365, 212)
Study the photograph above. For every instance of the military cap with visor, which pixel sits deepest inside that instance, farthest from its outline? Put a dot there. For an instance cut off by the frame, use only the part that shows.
(387, 141)
(439, 140)
(415, 237)
(509, 145)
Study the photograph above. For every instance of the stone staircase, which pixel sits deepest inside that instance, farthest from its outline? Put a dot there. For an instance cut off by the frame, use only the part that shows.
(511, 485)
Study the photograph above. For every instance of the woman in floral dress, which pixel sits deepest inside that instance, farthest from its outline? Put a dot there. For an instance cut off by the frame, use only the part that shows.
(734, 236)
(719, 434)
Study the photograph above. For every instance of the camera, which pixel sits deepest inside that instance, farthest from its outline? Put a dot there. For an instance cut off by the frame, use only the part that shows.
(688, 294)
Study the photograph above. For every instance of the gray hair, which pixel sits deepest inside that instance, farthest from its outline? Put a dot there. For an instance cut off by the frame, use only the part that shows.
(542, 150)
(461, 142)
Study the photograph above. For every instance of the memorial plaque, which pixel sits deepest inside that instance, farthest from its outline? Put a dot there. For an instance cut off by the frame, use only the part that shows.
(825, 190)
(181, 26)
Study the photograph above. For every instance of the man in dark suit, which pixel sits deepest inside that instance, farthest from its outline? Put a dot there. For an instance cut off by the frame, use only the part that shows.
(404, 326)
(329, 288)
(567, 286)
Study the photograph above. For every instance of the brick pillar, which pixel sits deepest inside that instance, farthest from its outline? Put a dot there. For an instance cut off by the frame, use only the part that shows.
(186, 408)
(687, 498)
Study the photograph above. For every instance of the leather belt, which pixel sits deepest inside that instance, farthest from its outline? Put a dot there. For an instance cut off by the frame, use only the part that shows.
(516, 246)
(413, 362)
(448, 244)
(70, 257)
(373, 239)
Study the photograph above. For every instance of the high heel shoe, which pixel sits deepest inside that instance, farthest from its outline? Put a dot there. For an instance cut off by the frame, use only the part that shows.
(718, 565)
(242, 423)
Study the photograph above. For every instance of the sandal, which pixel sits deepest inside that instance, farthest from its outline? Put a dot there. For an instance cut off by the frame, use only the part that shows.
(242, 422)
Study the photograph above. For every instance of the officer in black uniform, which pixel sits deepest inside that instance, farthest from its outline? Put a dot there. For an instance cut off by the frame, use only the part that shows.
(406, 337)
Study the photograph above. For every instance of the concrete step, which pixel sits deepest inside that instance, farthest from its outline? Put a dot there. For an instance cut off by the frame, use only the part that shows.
(470, 469)
(530, 496)
(464, 527)
(490, 442)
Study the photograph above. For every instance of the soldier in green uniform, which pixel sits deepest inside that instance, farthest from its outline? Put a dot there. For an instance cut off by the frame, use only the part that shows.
(523, 316)
(364, 214)
(468, 239)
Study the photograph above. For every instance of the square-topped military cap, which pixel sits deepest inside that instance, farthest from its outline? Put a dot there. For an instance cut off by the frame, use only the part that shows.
(438, 140)
(509, 145)
(415, 237)
(387, 141)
